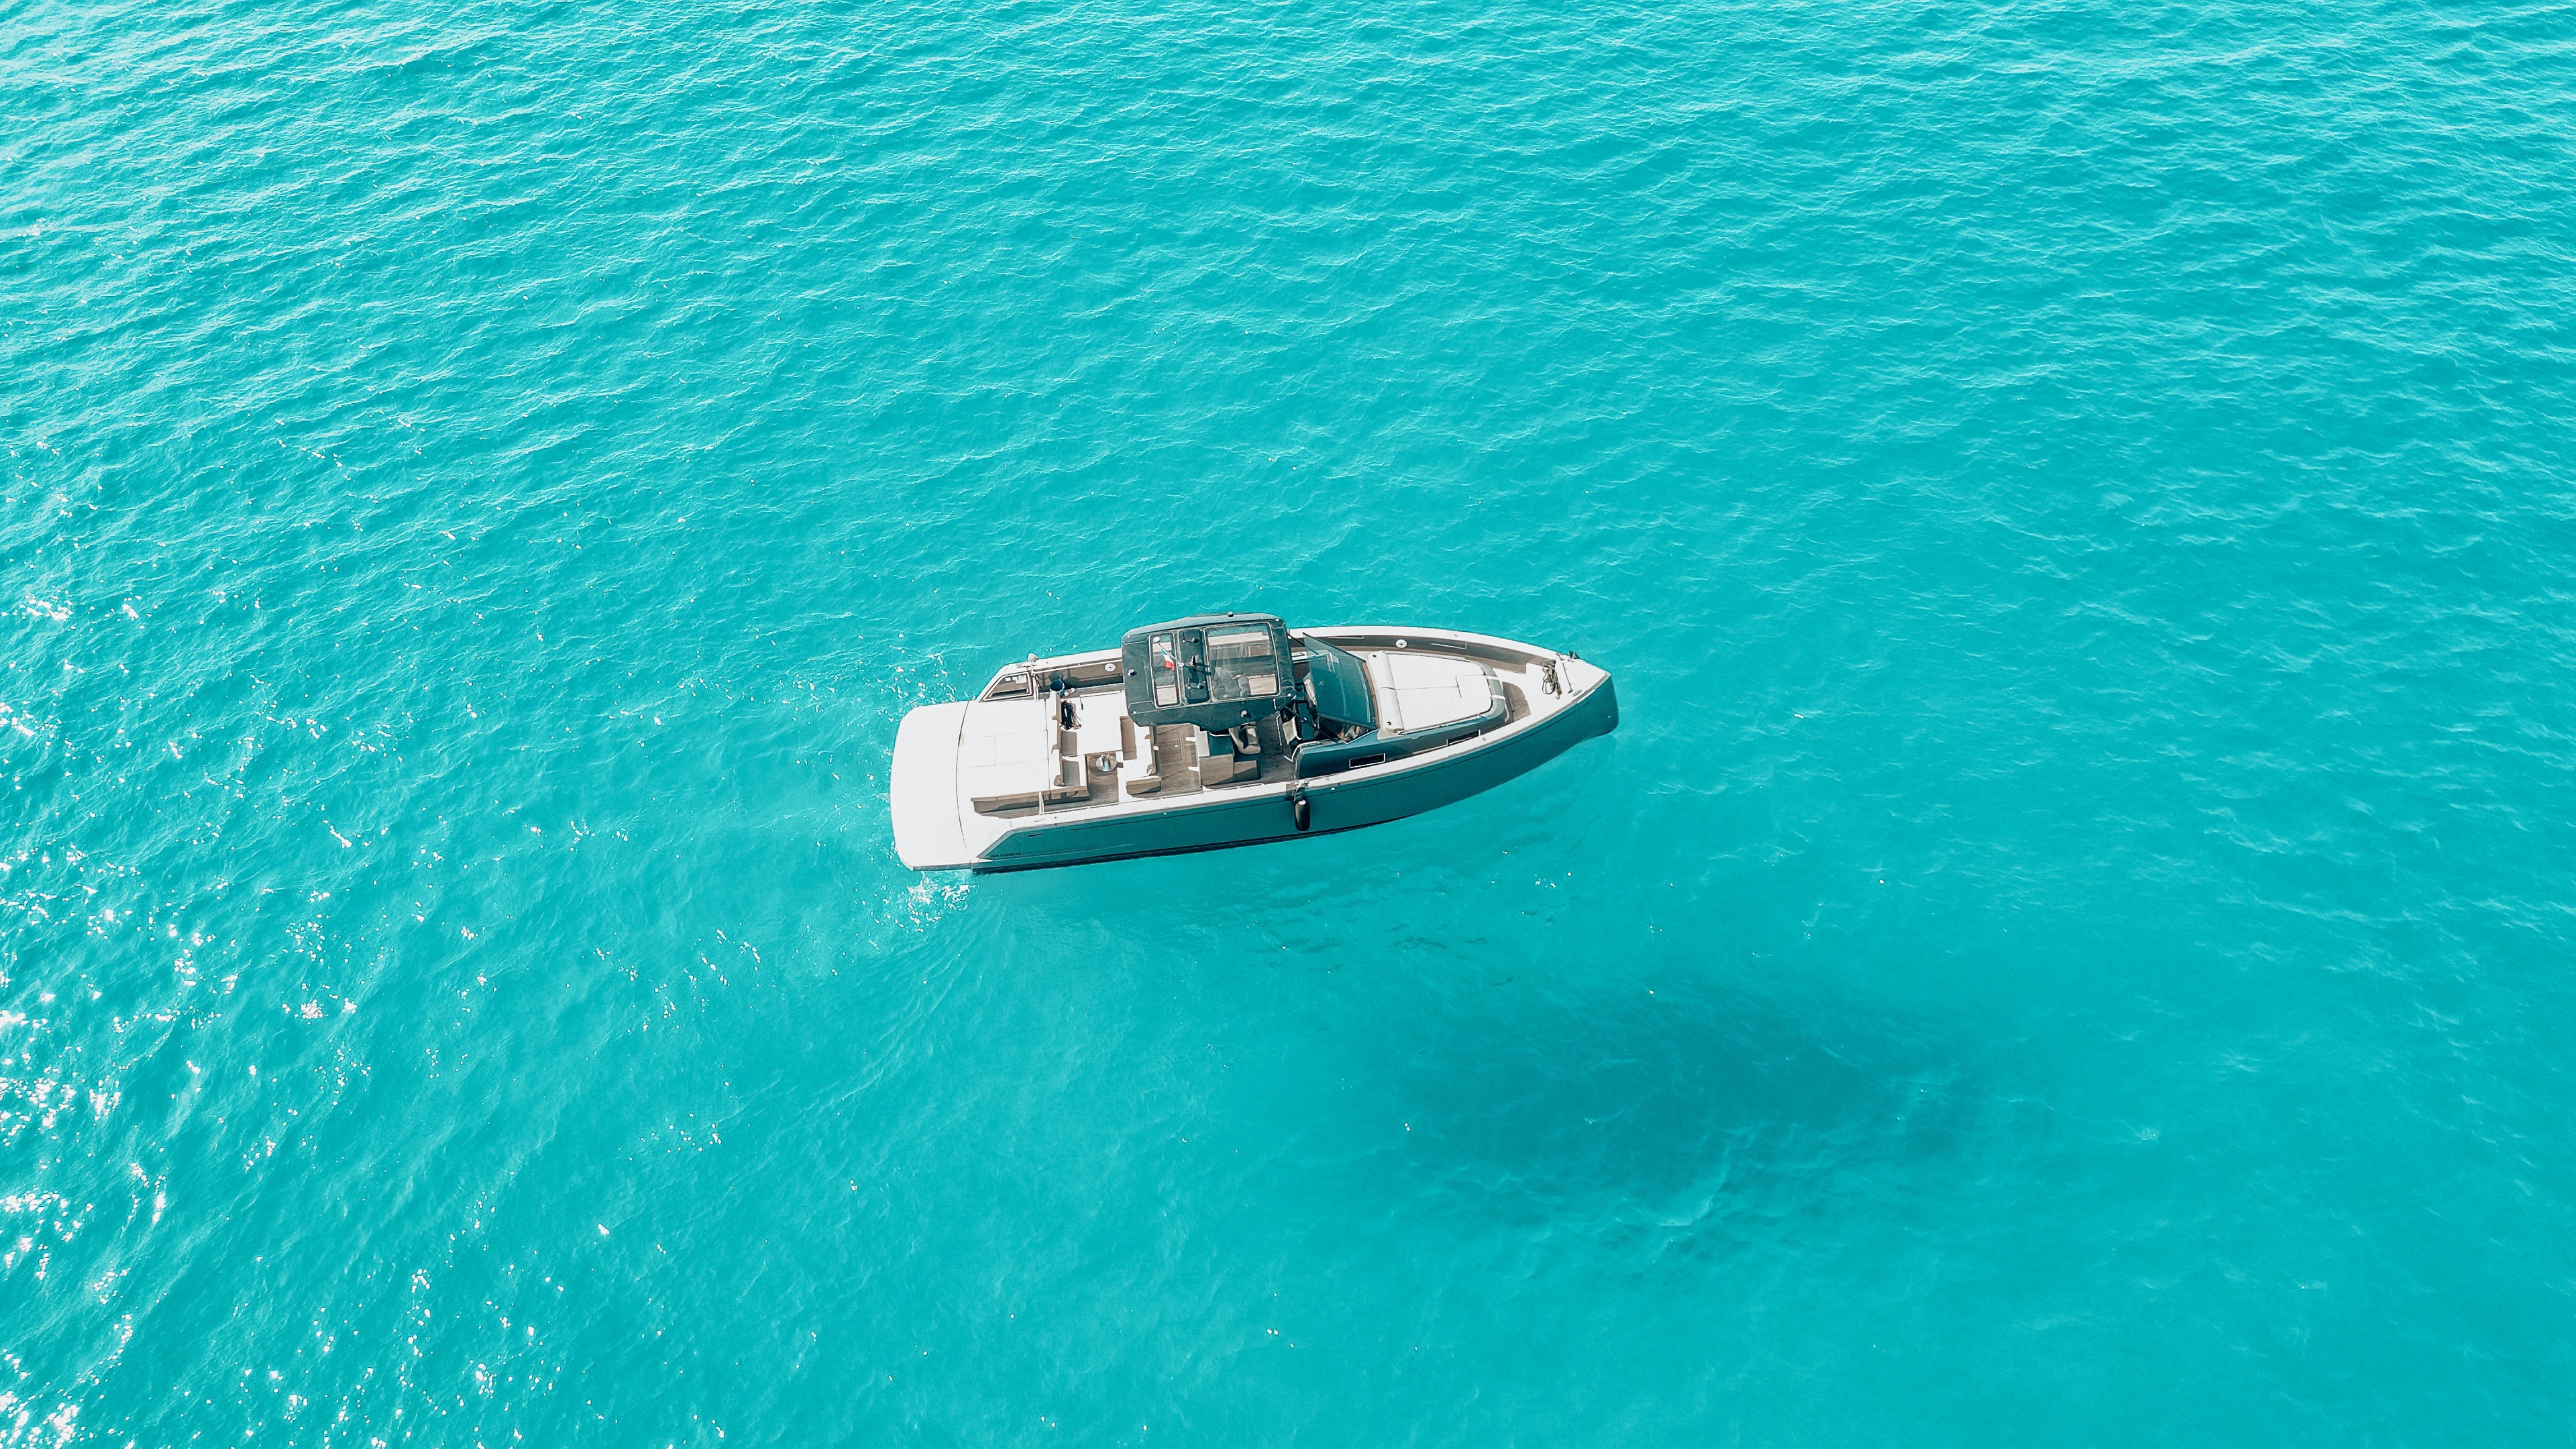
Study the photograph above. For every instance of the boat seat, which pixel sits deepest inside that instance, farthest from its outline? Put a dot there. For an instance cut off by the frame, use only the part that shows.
(1149, 780)
(1218, 762)
(1065, 781)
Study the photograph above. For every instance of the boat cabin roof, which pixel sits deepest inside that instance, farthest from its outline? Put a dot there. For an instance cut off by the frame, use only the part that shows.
(1215, 671)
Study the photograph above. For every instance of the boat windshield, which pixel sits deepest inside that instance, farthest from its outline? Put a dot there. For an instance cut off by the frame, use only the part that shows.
(1338, 685)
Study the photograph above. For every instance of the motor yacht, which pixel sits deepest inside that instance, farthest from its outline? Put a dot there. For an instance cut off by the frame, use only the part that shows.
(1228, 729)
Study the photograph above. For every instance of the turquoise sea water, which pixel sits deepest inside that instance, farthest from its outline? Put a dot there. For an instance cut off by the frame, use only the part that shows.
(2070, 944)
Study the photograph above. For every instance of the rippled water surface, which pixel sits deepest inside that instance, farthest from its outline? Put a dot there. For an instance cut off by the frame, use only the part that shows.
(2070, 944)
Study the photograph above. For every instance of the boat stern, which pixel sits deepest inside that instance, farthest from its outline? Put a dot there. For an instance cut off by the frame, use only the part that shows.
(929, 833)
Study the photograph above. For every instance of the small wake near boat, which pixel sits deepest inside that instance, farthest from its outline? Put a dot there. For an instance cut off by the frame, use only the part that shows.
(1228, 729)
